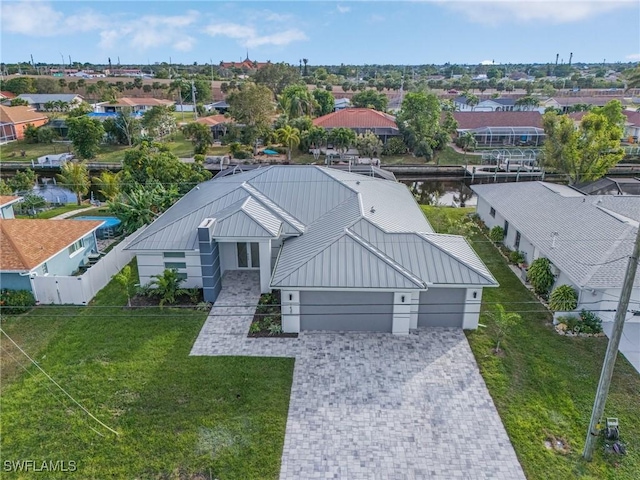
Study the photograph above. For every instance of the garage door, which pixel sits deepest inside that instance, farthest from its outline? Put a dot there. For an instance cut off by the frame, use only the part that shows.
(441, 307)
(346, 311)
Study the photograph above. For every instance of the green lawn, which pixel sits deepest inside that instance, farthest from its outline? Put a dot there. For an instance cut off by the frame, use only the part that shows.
(545, 384)
(178, 416)
(54, 212)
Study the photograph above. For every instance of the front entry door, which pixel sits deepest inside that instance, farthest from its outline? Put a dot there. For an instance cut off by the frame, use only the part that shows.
(248, 254)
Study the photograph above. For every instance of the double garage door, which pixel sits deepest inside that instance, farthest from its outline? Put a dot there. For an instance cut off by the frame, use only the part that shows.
(346, 311)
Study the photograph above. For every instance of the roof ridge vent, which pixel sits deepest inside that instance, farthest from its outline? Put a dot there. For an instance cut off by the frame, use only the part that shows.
(373, 210)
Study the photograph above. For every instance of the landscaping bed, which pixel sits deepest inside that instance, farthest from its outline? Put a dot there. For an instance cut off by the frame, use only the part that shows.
(267, 320)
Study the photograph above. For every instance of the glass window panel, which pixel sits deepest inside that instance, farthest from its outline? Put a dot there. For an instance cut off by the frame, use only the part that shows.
(255, 255)
(243, 261)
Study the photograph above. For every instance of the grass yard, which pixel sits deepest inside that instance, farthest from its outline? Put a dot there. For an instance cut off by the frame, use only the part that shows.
(178, 416)
(54, 212)
(544, 384)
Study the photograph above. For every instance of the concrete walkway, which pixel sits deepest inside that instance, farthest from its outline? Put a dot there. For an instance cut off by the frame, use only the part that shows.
(372, 405)
(71, 213)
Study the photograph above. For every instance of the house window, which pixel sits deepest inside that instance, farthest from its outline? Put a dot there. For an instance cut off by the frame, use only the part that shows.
(506, 228)
(248, 254)
(176, 265)
(492, 212)
(45, 268)
(182, 275)
(517, 242)
(173, 254)
(76, 247)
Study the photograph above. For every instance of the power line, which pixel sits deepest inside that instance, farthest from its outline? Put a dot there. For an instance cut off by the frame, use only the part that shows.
(57, 384)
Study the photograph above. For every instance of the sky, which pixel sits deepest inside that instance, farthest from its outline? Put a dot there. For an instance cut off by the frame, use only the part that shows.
(326, 33)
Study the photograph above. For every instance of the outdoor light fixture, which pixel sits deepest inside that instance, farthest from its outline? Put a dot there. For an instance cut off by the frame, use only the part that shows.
(402, 298)
(475, 294)
(290, 297)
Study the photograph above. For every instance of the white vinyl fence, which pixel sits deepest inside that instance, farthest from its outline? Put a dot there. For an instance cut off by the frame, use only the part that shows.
(80, 290)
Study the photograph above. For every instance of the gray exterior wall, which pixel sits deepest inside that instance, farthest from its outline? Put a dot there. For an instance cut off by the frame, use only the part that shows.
(442, 307)
(346, 311)
(210, 264)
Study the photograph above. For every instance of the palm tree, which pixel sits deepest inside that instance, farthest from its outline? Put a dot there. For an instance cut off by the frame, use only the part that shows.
(467, 142)
(108, 184)
(305, 61)
(317, 136)
(290, 137)
(502, 323)
(75, 177)
(633, 79)
(49, 106)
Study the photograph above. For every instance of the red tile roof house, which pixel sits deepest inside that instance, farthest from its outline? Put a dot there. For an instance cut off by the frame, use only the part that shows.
(32, 247)
(502, 129)
(13, 121)
(361, 120)
(631, 125)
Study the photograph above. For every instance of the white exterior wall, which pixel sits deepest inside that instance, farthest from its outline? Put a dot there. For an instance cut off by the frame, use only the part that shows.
(150, 264)
(290, 301)
(415, 306)
(228, 256)
(265, 266)
(472, 309)
(402, 305)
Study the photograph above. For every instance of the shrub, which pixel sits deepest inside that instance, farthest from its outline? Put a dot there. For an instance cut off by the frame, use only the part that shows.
(16, 301)
(496, 234)
(167, 286)
(540, 276)
(394, 146)
(254, 327)
(516, 257)
(275, 329)
(591, 323)
(563, 299)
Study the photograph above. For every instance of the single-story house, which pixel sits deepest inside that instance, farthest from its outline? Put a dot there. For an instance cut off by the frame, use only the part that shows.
(348, 252)
(631, 132)
(13, 121)
(360, 120)
(31, 247)
(217, 123)
(461, 104)
(564, 103)
(41, 101)
(500, 129)
(587, 238)
(137, 104)
(6, 205)
(6, 95)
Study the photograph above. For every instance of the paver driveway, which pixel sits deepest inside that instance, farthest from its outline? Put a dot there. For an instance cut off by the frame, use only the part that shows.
(375, 406)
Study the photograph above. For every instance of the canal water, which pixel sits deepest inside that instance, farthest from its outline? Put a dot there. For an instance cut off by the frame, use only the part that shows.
(441, 192)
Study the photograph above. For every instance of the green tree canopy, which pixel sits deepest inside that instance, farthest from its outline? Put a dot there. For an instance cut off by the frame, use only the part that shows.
(200, 136)
(324, 100)
(276, 77)
(75, 177)
(587, 152)
(86, 134)
(370, 99)
(368, 145)
(23, 181)
(159, 122)
(297, 101)
(253, 106)
(140, 205)
(290, 137)
(108, 184)
(419, 122)
(151, 164)
(342, 139)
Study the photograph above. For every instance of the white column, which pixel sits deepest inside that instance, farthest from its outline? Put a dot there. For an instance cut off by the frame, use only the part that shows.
(265, 266)
(290, 300)
(401, 313)
(415, 307)
(472, 308)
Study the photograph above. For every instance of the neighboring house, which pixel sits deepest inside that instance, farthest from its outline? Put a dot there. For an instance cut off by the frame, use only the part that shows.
(221, 106)
(141, 104)
(31, 247)
(341, 104)
(14, 120)
(40, 101)
(487, 105)
(245, 64)
(218, 124)
(610, 186)
(5, 95)
(348, 252)
(588, 239)
(361, 120)
(6, 205)
(631, 132)
(500, 129)
(565, 103)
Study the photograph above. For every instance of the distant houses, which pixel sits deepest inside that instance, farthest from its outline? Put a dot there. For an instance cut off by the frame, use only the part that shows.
(43, 102)
(502, 129)
(136, 104)
(361, 120)
(14, 120)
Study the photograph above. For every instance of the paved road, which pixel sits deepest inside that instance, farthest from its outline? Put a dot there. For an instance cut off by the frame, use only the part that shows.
(374, 406)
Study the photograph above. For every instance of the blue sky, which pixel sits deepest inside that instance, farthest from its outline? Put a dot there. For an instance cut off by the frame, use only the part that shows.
(356, 32)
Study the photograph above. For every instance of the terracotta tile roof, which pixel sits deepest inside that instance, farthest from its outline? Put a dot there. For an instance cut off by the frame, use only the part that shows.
(26, 243)
(356, 118)
(633, 118)
(20, 114)
(214, 120)
(473, 120)
(6, 94)
(7, 199)
(597, 101)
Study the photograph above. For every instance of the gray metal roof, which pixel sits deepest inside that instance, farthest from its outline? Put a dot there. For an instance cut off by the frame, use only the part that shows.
(344, 230)
(589, 238)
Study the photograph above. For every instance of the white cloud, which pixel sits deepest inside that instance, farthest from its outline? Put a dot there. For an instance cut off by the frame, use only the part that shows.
(249, 36)
(343, 8)
(494, 12)
(31, 18)
(634, 57)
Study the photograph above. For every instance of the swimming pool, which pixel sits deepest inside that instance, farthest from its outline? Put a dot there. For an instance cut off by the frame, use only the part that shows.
(107, 229)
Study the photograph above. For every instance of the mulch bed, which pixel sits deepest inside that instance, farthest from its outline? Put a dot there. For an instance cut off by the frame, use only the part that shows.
(268, 313)
(183, 301)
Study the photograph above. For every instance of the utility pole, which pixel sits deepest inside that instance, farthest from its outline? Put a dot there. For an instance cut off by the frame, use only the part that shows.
(193, 97)
(612, 352)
